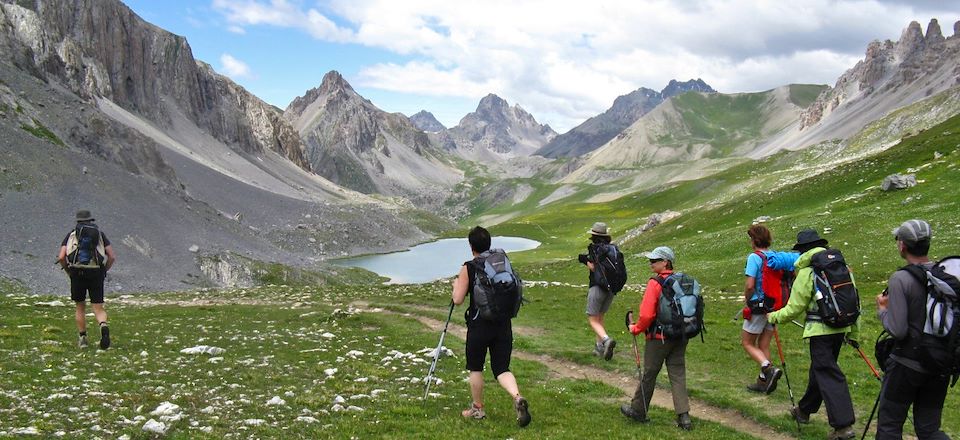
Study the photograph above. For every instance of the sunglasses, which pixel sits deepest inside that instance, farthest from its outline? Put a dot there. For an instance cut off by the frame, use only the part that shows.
(655, 260)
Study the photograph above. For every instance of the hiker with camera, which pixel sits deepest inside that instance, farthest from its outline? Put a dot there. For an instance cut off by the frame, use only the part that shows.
(86, 255)
(762, 294)
(824, 291)
(495, 297)
(919, 296)
(608, 274)
(671, 312)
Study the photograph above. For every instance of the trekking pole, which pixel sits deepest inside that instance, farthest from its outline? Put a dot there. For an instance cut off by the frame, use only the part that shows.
(872, 412)
(636, 355)
(783, 363)
(436, 353)
(856, 345)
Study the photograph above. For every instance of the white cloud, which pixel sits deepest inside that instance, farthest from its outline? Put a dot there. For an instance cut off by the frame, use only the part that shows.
(236, 29)
(233, 67)
(571, 59)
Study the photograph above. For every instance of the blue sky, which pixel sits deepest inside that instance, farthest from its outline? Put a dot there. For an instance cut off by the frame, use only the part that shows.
(563, 61)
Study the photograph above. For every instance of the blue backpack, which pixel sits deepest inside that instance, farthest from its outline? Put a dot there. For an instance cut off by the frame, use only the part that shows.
(680, 307)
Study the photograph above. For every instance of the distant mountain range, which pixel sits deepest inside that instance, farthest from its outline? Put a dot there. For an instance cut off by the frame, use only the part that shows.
(626, 109)
(425, 121)
(496, 129)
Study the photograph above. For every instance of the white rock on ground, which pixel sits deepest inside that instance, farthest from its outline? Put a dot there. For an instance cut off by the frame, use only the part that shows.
(330, 371)
(307, 419)
(166, 409)
(276, 401)
(204, 349)
(254, 422)
(339, 399)
(30, 430)
(154, 427)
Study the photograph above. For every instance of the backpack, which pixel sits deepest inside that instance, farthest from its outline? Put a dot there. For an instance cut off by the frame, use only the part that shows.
(938, 348)
(680, 307)
(610, 271)
(497, 289)
(85, 248)
(838, 302)
(774, 289)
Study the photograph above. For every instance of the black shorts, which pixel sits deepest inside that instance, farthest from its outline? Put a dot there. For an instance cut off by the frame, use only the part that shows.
(497, 337)
(83, 281)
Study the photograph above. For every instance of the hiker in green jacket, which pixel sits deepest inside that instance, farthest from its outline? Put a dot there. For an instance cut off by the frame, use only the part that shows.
(827, 383)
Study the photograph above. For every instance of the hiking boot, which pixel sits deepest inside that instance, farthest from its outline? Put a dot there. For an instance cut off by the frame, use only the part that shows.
(637, 416)
(82, 342)
(842, 434)
(760, 386)
(773, 375)
(523, 411)
(598, 349)
(474, 412)
(608, 345)
(799, 415)
(683, 422)
(104, 337)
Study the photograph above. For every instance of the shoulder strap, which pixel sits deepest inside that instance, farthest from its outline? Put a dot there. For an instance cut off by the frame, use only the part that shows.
(918, 272)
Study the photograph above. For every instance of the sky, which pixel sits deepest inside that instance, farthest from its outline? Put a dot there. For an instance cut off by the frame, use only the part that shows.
(563, 61)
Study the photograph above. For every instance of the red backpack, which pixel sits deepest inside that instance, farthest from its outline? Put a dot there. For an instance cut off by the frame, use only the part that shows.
(775, 285)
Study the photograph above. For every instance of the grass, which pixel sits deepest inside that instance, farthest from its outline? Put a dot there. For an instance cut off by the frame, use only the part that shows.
(802, 95)
(41, 131)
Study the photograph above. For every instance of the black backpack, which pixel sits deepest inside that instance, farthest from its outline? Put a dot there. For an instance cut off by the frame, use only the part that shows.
(938, 348)
(680, 307)
(84, 247)
(610, 271)
(497, 289)
(838, 302)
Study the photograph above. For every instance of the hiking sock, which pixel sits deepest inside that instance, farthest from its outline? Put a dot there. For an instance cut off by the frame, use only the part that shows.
(83, 333)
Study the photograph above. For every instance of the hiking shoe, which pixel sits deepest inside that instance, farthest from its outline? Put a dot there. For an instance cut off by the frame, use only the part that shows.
(104, 337)
(474, 412)
(846, 433)
(523, 411)
(598, 349)
(760, 386)
(633, 414)
(82, 342)
(773, 375)
(608, 345)
(683, 422)
(799, 415)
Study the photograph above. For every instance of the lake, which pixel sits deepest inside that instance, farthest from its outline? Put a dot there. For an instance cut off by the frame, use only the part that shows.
(430, 261)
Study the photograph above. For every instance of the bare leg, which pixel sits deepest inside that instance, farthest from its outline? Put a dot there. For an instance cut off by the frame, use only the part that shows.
(763, 342)
(509, 383)
(750, 342)
(596, 323)
(476, 387)
(81, 316)
(99, 312)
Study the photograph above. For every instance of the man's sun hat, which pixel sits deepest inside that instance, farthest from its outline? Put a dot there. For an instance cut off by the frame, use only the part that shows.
(84, 215)
(599, 228)
(660, 253)
(808, 236)
(913, 231)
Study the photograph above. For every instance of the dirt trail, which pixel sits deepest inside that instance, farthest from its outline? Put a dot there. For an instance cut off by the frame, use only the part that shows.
(662, 398)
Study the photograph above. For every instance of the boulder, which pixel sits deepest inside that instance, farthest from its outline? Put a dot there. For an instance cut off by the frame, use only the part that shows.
(898, 181)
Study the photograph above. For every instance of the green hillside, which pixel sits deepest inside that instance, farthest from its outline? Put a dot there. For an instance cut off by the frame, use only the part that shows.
(721, 120)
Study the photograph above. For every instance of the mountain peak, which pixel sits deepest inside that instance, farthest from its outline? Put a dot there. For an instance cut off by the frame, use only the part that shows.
(492, 102)
(934, 35)
(333, 81)
(425, 121)
(675, 87)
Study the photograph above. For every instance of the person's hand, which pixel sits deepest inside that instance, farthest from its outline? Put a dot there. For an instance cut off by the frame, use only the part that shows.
(882, 302)
(590, 266)
(635, 329)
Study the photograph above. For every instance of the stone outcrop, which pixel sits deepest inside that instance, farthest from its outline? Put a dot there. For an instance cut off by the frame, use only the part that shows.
(898, 181)
(425, 121)
(928, 62)
(102, 49)
(626, 110)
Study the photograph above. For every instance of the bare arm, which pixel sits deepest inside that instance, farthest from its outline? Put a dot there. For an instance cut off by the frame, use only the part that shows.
(111, 256)
(62, 257)
(749, 287)
(460, 285)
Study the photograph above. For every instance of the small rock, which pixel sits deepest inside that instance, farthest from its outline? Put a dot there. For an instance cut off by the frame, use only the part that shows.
(762, 219)
(194, 248)
(154, 427)
(276, 401)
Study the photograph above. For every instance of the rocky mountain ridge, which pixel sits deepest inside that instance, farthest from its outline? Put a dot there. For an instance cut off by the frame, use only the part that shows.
(496, 129)
(425, 121)
(626, 109)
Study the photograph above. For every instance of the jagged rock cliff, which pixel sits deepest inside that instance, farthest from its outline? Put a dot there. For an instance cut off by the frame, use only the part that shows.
(102, 49)
(626, 110)
(355, 144)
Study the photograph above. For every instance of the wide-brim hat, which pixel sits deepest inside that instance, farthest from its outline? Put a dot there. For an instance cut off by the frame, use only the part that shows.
(84, 215)
(599, 228)
(808, 237)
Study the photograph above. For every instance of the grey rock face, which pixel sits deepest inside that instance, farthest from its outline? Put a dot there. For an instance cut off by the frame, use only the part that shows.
(425, 121)
(898, 181)
(626, 110)
(498, 127)
(914, 60)
(101, 49)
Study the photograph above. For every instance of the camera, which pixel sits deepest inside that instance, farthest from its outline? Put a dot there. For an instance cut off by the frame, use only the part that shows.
(583, 258)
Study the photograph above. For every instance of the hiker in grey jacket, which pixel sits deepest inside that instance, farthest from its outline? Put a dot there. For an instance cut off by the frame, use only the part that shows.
(902, 310)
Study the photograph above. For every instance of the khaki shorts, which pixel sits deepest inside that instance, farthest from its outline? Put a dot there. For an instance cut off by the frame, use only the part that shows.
(598, 300)
(756, 324)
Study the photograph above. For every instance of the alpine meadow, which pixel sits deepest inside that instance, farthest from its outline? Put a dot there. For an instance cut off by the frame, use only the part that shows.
(225, 300)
